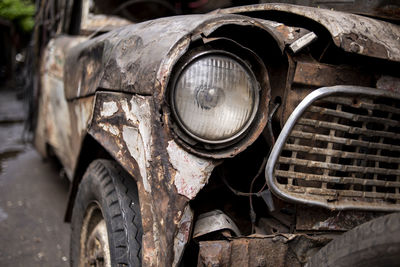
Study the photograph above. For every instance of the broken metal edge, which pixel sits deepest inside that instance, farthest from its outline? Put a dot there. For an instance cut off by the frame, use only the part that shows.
(287, 129)
(183, 235)
(342, 27)
(214, 221)
(302, 42)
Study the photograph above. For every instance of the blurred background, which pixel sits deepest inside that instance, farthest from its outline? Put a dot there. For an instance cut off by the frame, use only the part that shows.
(32, 191)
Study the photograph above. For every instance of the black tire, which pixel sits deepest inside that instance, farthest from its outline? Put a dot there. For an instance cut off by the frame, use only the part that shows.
(107, 186)
(375, 243)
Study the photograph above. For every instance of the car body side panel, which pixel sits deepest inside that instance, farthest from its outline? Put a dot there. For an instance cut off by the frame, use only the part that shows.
(61, 125)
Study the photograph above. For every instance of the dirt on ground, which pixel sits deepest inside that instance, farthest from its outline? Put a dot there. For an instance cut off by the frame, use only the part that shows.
(33, 196)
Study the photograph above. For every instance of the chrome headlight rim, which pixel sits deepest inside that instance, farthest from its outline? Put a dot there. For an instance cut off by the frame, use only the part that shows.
(256, 92)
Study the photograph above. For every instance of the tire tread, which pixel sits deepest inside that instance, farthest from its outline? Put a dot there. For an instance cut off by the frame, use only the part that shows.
(119, 191)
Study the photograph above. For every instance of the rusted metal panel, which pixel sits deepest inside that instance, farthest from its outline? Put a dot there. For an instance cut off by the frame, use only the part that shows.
(215, 253)
(128, 58)
(352, 33)
(126, 125)
(318, 75)
(139, 58)
(258, 250)
(305, 74)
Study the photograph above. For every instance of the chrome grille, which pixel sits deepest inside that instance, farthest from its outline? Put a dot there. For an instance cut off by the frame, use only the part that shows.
(341, 151)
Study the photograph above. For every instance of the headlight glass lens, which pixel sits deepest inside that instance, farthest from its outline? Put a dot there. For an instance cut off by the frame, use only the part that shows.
(215, 98)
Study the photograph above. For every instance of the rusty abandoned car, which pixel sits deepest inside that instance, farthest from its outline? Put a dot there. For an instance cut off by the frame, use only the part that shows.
(259, 135)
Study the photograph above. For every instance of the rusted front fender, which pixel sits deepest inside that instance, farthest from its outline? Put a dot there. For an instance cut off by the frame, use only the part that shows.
(167, 176)
(135, 62)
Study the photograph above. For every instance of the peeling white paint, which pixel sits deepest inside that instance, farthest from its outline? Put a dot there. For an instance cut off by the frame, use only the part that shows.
(130, 116)
(192, 172)
(139, 114)
(136, 147)
(110, 128)
(109, 109)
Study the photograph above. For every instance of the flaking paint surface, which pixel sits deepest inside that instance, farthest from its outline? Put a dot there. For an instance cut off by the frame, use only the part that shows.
(192, 172)
(138, 139)
(110, 128)
(134, 142)
(109, 109)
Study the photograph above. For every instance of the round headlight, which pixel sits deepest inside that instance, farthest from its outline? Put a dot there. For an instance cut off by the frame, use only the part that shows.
(215, 97)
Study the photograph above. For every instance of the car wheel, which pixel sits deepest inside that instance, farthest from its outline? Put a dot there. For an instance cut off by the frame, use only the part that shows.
(106, 222)
(375, 243)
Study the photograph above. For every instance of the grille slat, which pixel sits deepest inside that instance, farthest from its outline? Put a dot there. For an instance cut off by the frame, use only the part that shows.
(343, 152)
(347, 129)
(351, 116)
(342, 193)
(362, 104)
(344, 141)
(337, 167)
(334, 179)
(340, 153)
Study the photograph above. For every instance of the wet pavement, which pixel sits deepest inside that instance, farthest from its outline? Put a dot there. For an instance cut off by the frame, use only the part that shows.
(33, 197)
